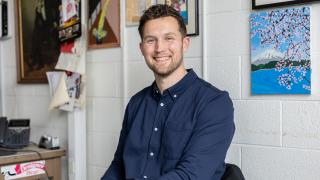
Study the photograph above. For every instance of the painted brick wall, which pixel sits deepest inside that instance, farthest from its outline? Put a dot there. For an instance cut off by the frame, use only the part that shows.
(277, 137)
(104, 108)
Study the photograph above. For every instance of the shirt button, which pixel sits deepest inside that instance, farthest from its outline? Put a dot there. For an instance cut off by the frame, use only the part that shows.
(151, 154)
(175, 96)
(145, 177)
(155, 129)
(161, 104)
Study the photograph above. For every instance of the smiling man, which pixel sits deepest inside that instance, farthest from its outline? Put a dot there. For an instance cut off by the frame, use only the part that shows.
(180, 127)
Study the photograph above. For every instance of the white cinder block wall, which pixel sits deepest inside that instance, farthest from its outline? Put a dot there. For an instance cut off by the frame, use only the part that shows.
(277, 137)
(104, 107)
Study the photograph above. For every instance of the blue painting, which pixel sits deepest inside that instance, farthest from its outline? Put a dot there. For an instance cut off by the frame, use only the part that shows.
(180, 5)
(280, 51)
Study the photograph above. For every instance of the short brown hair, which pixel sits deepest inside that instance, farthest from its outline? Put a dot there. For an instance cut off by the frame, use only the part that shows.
(159, 11)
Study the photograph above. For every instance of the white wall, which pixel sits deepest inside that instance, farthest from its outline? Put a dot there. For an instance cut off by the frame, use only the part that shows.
(104, 107)
(277, 137)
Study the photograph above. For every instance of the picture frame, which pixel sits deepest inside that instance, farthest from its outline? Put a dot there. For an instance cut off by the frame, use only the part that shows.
(261, 4)
(104, 24)
(70, 24)
(189, 10)
(280, 51)
(134, 10)
(38, 43)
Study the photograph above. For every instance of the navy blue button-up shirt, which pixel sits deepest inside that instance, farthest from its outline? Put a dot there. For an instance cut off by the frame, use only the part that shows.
(182, 134)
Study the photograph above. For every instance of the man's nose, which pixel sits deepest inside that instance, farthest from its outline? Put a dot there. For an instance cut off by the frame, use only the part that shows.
(160, 46)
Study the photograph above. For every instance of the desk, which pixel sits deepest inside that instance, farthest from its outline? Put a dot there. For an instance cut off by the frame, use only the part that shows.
(52, 161)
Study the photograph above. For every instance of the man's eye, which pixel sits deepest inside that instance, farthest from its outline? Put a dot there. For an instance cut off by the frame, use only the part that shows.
(149, 41)
(169, 38)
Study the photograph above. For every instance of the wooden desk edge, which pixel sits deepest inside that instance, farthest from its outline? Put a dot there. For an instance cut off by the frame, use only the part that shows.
(32, 156)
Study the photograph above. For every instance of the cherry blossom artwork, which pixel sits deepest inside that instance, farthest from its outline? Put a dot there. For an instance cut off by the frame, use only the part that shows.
(280, 51)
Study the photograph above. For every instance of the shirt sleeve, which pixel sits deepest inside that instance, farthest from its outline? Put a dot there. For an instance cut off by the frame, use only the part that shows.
(116, 168)
(205, 153)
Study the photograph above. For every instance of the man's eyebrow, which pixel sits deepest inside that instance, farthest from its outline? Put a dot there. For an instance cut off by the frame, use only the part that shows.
(148, 36)
(154, 37)
(170, 33)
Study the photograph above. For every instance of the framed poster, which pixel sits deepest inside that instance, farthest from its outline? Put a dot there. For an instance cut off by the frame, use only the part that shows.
(135, 8)
(189, 10)
(104, 24)
(38, 41)
(70, 24)
(260, 4)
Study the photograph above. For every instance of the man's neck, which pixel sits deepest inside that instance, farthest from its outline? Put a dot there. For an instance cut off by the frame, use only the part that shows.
(164, 83)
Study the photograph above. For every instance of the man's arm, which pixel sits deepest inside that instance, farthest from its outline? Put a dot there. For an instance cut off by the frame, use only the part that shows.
(116, 168)
(206, 150)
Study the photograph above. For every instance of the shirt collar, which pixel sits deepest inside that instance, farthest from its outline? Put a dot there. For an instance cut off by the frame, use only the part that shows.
(178, 89)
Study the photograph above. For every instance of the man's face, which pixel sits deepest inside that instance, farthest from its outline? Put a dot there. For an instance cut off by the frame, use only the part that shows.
(163, 45)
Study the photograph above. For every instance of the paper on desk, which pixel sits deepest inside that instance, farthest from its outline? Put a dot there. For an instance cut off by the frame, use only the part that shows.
(59, 89)
(68, 9)
(75, 61)
(68, 62)
(67, 47)
(69, 106)
(23, 170)
(53, 79)
(73, 82)
(80, 102)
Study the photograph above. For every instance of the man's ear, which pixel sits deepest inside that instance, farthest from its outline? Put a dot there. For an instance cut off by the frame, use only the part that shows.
(140, 45)
(185, 43)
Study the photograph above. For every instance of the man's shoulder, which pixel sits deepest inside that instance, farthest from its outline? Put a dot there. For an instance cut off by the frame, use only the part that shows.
(209, 96)
(209, 90)
(213, 101)
(140, 95)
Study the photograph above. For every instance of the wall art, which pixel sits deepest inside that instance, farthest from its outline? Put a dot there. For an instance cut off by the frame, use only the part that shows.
(260, 4)
(104, 24)
(280, 51)
(189, 10)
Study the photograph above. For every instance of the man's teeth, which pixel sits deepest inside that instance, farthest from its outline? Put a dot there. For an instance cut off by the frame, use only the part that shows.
(162, 58)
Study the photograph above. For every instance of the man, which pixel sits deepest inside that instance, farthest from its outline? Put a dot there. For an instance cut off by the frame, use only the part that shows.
(180, 127)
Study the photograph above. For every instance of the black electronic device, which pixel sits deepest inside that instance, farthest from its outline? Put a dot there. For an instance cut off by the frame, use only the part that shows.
(16, 133)
(3, 128)
(3, 18)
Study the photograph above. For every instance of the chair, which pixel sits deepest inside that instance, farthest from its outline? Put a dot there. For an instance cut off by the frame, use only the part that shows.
(232, 172)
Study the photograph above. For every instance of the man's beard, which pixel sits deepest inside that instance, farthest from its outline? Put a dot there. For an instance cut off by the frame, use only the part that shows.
(165, 73)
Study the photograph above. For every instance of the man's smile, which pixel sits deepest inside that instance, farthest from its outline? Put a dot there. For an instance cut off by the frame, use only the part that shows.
(162, 59)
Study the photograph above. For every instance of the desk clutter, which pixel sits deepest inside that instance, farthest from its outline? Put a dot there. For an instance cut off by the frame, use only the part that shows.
(19, 158)
(67, 85)
(14, 133)
(32, 162)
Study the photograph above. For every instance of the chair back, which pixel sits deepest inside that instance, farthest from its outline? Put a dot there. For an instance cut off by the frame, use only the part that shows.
(232, 172)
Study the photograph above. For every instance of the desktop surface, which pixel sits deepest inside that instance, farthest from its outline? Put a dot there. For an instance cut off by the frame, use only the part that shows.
(6, 152)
